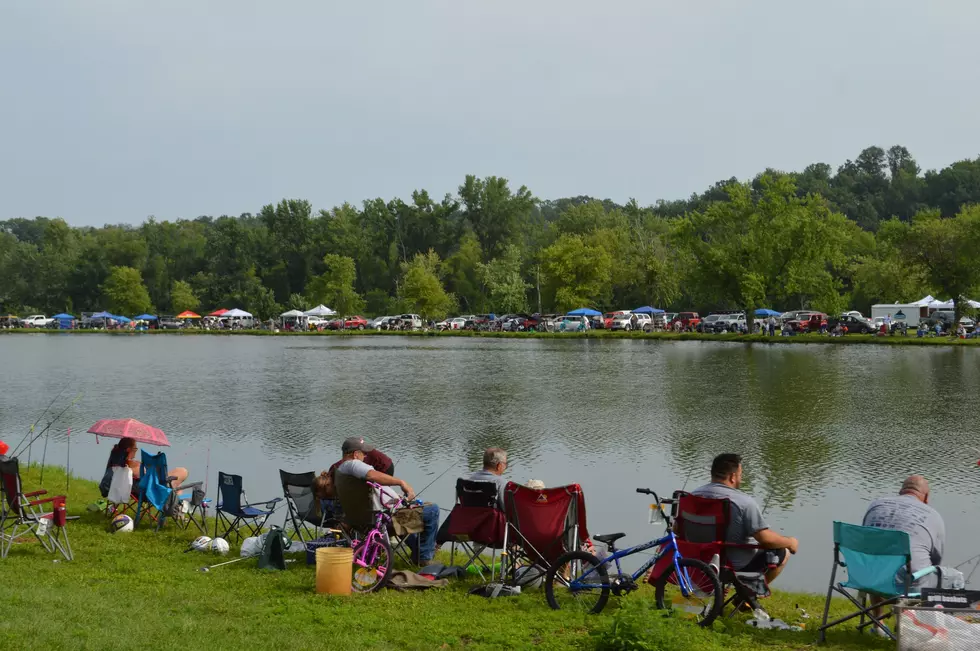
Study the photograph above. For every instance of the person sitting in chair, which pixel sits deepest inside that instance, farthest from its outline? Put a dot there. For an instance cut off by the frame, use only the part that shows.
(909, 511)
(350, 476)
(494, 465)
(746, 522)
(124, 454)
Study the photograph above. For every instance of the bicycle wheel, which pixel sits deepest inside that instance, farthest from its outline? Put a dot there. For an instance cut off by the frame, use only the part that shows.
(703, 604)
(566, 590)
(372, 564)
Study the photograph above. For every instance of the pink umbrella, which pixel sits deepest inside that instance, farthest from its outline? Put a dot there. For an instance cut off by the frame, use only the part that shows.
(132, 428)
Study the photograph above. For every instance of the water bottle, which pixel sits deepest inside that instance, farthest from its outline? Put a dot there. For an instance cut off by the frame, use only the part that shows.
(715, 563)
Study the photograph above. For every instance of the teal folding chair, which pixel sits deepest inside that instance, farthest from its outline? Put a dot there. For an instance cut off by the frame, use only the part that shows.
(157, 500)
(879, 564)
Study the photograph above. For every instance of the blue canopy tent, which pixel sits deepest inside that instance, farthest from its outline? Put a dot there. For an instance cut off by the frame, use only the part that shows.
(63, 321)
(763, 311)
(646, 309)
(585, 311)
(121, 319)
(102, 315)
(145, 317)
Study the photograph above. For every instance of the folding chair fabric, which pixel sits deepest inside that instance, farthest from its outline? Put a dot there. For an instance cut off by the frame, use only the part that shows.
(234, 512)
(157, 500)
(873, 557)
(301, 505)
(543, 524)
(476, 523)
(22, 514)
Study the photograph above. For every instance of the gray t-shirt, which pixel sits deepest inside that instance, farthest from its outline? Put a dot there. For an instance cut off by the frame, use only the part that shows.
(923, 524)
(745, 519)
(486, 475)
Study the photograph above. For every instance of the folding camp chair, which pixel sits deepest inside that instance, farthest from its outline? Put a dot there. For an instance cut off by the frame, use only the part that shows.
(542, 524)
(476, 524)
(23, 514)
(234, 511)
(701, 524)
(303, 510)
(157, 500)
(878, 563)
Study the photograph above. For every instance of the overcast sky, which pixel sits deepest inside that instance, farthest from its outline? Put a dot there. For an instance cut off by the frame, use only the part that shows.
(113, 111)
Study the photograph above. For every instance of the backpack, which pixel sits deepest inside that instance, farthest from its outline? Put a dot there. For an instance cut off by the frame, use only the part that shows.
(273, 548)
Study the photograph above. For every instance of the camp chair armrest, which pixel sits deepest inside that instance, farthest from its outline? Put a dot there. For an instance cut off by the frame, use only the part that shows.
(272, 501)
(191, 485)
(44, 501)
(36, 493)
(926, 571)
(171, 477)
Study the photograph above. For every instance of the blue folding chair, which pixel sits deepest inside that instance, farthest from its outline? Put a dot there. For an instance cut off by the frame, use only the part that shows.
(157, 500)
(234, 511)
(879, 564)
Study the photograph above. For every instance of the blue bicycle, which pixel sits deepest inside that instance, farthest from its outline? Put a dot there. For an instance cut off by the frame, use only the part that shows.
(689, 586)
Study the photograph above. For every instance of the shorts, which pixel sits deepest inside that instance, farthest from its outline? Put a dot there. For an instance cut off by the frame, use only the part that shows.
(763, 559)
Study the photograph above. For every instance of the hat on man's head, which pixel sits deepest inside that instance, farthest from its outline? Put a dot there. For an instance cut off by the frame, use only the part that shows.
(355, 444)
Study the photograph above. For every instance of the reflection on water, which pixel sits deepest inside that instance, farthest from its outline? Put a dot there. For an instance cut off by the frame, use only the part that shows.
(823, 429)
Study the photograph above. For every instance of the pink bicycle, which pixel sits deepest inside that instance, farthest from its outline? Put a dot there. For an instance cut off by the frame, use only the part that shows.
(373, 557)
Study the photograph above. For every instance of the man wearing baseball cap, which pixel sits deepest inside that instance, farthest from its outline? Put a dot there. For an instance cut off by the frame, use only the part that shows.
(350, 485)
(372, 456)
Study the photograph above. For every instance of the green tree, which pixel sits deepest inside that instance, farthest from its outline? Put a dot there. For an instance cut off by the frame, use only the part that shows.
(575, 273)
(463, 275)
(182, 297)
(335, 287)
(946, 248)
(421, 290)
(502, 277)
(494, 213)
(125, 292)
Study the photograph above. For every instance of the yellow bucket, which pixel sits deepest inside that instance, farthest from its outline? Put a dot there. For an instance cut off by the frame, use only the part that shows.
(334, 567)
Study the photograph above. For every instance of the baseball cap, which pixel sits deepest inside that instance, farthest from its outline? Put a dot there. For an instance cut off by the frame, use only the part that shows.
(355, 444)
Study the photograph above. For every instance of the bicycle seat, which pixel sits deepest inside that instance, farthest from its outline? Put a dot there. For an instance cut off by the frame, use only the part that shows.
(608, 538)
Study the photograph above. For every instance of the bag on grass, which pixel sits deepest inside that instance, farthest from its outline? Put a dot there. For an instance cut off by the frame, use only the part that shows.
(121, 485)
(273, 548)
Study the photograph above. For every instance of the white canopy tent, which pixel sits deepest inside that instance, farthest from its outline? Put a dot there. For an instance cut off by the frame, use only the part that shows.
(926, 301)
(291, 314)
(236, 314)
(320, 310)
(948, 305)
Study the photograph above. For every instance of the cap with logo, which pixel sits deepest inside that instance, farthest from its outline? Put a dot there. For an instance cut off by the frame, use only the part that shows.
(355, 444)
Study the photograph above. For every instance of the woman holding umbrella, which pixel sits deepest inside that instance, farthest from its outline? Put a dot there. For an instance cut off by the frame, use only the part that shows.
(129, 431)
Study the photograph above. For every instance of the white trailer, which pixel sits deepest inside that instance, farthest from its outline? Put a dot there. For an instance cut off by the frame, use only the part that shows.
(910, 313)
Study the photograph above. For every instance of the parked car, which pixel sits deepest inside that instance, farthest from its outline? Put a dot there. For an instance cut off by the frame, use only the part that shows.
(569, 323)
(945, 317)
(807, 322)
(854, 324)
(711, 324)
(792, 315)
(626, 321)
(169, 323)
(317, 322)
(688, 320)
(733, 322)
(36, 321)
(609, 317)
(411, 321)
(348, 323)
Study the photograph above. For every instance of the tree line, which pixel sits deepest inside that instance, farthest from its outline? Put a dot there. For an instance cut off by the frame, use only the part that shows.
(875, 230)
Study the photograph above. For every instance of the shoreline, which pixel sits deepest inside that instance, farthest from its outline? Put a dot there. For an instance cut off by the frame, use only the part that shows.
(595, 334)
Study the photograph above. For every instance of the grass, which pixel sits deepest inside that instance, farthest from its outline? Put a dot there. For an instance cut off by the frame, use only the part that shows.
(127, 590)
(910, 340)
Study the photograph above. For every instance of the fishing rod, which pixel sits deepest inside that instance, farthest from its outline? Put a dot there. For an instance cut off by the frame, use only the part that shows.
(50, 423)
(46, 409)
(435, 480)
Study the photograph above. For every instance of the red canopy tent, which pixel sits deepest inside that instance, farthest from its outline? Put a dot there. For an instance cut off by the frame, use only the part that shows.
(188, 315)
(218, 312)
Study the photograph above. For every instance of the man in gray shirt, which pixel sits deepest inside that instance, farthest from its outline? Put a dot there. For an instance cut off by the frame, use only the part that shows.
(494, 465)
(746, 522)
(909, 511)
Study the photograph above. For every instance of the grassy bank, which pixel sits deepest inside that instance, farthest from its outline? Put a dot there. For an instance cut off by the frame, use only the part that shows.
(910, 340)
(127, 590)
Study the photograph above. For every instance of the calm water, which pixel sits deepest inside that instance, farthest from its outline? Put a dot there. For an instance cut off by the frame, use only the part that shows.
(823, 429)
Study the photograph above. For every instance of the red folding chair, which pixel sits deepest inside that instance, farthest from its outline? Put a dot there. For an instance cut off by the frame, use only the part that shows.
(542, 524)
(701, 524)
(476, 524)
(23, 514)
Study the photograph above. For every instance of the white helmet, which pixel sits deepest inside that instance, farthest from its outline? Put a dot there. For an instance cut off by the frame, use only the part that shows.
(201, 543)
(220, 546)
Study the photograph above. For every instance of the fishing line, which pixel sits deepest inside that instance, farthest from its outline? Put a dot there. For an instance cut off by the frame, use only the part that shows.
(42, 432)
(31, 429)
(435, 480)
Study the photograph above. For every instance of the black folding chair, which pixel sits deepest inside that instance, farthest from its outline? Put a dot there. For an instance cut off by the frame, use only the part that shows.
(234, 512)
(303, 510)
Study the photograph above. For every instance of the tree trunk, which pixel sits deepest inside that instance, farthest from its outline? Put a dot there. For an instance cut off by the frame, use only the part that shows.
(749, 320)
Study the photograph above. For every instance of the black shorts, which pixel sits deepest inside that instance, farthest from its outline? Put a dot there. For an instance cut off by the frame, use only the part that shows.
(763, 559)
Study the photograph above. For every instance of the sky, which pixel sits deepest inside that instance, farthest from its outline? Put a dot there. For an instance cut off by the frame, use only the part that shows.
(113, 111)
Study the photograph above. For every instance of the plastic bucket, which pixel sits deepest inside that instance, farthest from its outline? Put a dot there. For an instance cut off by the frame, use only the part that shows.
(334, 569)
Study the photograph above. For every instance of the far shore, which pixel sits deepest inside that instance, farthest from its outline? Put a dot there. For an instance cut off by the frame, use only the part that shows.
(910, 340)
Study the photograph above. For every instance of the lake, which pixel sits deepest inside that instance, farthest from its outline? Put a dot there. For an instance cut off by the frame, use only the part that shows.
(822, 429)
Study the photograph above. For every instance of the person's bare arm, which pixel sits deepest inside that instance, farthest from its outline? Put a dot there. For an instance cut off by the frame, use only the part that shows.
(769, 539)
(388, 480)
